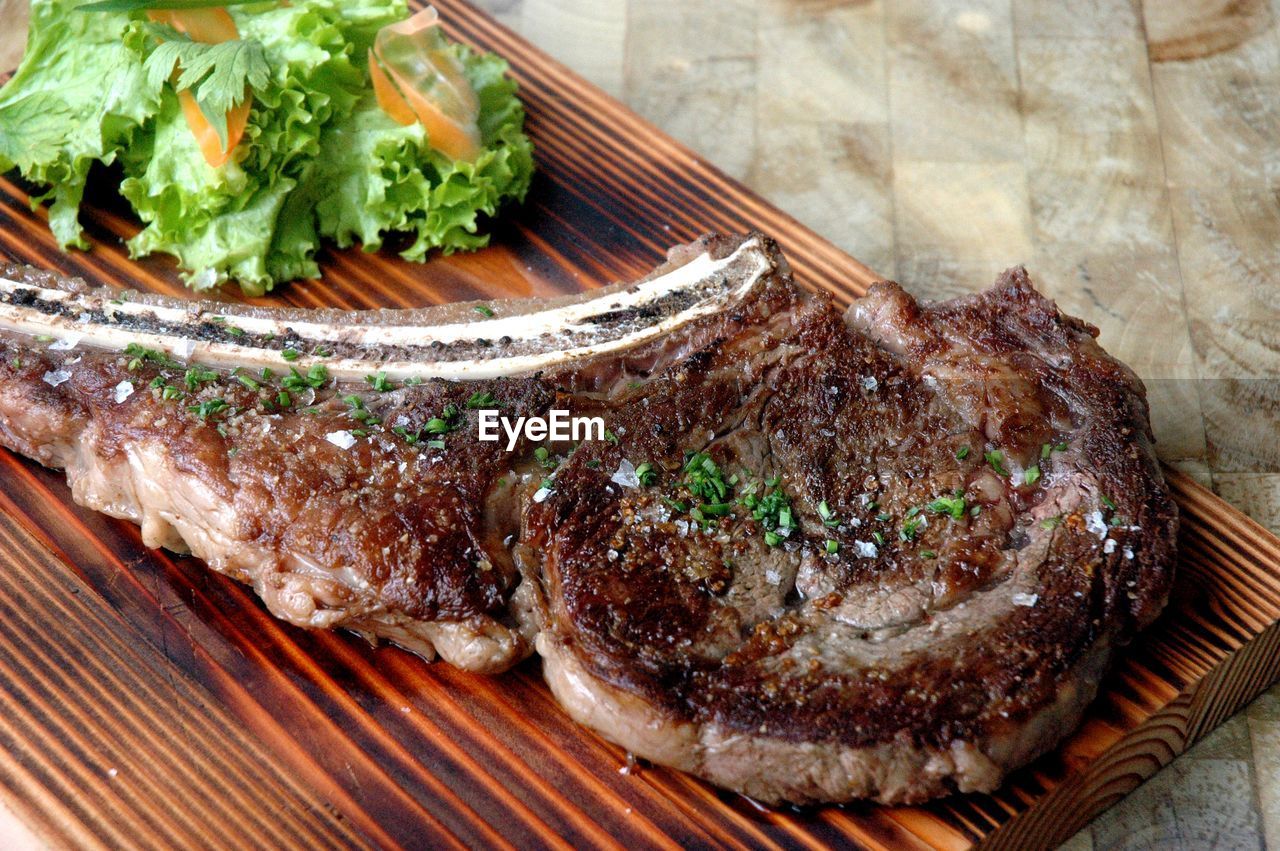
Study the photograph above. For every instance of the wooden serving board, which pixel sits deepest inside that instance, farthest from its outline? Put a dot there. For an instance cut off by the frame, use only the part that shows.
(145, 701)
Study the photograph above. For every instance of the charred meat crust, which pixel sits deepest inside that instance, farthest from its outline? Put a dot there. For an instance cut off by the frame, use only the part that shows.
(962, 633)
(923, 530)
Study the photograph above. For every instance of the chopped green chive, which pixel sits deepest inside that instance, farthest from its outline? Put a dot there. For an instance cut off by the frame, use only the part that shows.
(360, 413)
(379, 382)
(444, 423)
(996, 459)
(139, 355)
(646, 474)
(410, 437)
(1031, 475)
(315, 378)
(208, 408)
(484, 310)
(290, 354)
(704, 478)
(833, 547)
(962, 453)
(482, 400)
(197, 375)
(953, 505)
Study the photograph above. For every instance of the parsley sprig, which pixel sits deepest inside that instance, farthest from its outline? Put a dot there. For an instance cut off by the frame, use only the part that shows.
(219, 76)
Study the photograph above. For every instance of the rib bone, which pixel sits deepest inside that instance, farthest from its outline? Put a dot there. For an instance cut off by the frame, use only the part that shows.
(467, 344)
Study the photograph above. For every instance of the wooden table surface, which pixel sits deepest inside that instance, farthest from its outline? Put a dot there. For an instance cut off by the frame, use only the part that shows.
(1127, 152)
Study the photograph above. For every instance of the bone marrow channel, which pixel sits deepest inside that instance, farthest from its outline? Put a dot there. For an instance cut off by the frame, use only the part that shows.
(412, 345)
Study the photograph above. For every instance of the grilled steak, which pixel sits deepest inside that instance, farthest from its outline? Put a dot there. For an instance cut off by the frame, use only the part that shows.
(818, 557)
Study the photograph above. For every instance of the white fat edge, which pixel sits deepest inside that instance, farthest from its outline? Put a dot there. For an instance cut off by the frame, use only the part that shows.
(534, 325)
(524, 326)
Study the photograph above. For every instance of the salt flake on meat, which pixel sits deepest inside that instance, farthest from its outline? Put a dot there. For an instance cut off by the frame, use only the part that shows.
(54, 377)
(67, 343)
(341, 439)
(1095, 524)
(626, 475)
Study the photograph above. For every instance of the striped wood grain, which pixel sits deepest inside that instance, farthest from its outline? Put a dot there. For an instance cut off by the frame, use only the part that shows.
(225, 724)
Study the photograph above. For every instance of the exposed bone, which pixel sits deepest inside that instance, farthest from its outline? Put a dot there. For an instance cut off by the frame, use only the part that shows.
(393, 342)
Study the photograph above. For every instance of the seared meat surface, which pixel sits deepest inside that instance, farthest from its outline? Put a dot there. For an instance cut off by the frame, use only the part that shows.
(818, 557)
(976, 520)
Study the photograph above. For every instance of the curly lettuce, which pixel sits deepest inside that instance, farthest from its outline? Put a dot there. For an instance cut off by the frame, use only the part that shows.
(319, 158)
(375, 176)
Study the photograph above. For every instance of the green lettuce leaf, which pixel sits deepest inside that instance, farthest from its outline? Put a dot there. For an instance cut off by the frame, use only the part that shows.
(375, 176)
(221, 223)
(77, 98)
(318, 157)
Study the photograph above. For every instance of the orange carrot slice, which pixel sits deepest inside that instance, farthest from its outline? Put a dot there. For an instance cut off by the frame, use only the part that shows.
(206, 136)
(411, 59)
(210, 26)
(389, 98)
